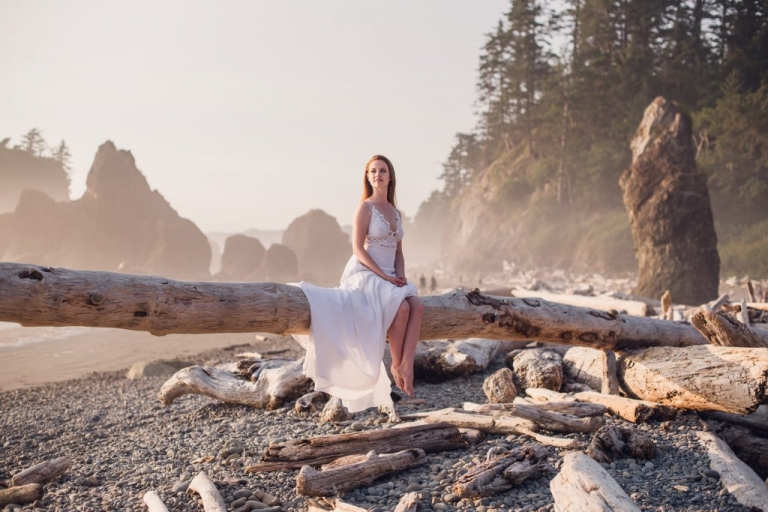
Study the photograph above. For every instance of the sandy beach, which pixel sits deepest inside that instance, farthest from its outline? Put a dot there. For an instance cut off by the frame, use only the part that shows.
(31, 356)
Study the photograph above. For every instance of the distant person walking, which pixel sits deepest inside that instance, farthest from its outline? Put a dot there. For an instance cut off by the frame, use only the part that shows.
(433, 285)
(349, 324)
(422, 284)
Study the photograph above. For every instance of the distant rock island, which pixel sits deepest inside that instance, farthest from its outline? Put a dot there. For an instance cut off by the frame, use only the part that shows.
(119, 224)
(21, 169)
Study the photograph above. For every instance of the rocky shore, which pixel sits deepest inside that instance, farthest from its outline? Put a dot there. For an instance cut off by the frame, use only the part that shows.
(124, 443)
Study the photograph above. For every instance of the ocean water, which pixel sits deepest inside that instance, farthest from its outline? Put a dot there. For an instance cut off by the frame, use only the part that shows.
(14, 335)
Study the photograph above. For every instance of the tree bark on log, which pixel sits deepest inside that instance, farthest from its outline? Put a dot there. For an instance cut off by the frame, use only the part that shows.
(583, 485)
(44, 296)
(735, 476)
(212, 500)
(705, 378)
(500, 387)
(610, 382)
(723, 330)
(43, 471)
(153, 502)
(21, 494)
(491, 477)
(311, 482)
(320, 450)
(274, 386)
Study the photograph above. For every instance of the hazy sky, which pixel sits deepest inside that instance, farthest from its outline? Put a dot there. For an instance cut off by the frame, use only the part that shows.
(248, 114)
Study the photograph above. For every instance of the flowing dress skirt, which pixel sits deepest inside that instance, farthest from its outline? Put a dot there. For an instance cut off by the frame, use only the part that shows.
(349, 324)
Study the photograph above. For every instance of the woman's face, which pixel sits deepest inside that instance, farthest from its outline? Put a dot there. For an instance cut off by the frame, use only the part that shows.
(378, 174)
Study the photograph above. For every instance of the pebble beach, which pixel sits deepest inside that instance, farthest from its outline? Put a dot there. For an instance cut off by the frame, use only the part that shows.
(124, 442)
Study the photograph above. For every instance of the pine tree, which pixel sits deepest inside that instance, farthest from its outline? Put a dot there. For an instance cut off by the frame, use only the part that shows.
(33, 142)
(63, 156)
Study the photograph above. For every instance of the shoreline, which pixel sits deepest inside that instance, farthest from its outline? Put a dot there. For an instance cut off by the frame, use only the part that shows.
(73, 353)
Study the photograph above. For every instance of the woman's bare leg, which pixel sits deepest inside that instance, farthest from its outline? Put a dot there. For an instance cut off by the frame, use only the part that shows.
(404, 370)
(396, 336)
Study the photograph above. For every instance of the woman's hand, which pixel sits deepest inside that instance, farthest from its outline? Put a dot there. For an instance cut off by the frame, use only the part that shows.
(397, 281)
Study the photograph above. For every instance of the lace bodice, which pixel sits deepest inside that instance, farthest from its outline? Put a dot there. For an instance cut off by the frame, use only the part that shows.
(379, 232)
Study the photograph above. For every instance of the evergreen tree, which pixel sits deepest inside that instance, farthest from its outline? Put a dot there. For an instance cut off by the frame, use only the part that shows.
(63, 156)
(33, 142)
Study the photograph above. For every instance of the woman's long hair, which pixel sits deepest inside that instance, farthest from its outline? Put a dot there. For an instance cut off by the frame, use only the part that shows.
(368, 189)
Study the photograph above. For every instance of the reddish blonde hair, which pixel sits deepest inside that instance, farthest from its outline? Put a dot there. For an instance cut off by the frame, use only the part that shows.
(368, 189)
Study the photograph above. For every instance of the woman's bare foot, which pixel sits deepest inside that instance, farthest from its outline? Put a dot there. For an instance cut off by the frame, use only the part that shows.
(403, 375)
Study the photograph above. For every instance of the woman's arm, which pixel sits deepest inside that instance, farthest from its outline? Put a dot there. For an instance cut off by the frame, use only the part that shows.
(400, 262)
(359, 229)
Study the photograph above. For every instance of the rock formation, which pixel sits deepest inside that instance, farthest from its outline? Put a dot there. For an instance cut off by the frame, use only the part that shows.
(119, 224)
(241, 260)
(669, 209)
(322, 248)
(279, 264)
(21, 170)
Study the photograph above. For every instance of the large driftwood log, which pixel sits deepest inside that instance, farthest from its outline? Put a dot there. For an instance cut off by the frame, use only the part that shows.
(585, 366)
(604, 303)
(311, 482)
(705, 378)
(43, 296)
(721, 329)
(735, 476)
(582, 485)
(212, 500)
(274, 386)
(43, 471)
(503, 472)
(610, 384)
(437, 361)
(320, 450)
(21, 494)
(572, 407)
(757, 421)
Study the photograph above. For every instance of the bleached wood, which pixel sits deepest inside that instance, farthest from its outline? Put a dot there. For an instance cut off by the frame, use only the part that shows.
(735, 476)
(585, 366)
(610, 382)
(582, 485)
(334, 411)
(409, 502)
(666, 306)
(212, 500)
(636, 411)
(723, 330)
(44, 471)
(750, 292)
(578, 409)
(705, 378)
(437, 361)
(153, 502)
(311, 482)
(323, 449)
(603, 303)
(20, 495)
(491, 476)
(547, 395)
(311, 402)
(34, 295)
(336, 504)
(743, 315)
(274, 386)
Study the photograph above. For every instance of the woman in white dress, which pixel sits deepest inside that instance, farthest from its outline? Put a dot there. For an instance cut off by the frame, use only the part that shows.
(349, 324)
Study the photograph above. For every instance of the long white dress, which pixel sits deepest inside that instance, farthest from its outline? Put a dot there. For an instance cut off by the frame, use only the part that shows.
(349, 324)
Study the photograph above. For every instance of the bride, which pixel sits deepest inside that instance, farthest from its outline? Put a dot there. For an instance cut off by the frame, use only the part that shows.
(349, 324)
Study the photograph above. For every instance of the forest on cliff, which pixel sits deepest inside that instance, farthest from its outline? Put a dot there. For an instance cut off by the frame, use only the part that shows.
(560, 94)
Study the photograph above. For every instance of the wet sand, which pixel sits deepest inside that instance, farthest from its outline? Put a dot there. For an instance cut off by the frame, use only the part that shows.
(72, 352)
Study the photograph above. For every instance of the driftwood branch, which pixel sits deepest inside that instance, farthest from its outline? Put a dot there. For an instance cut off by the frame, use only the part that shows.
(311, 482)
(723, 330)
(43, 296)
(583, 485)
(735, 475)
(212, 500)
(614, 442)
(320, 450)
(153, 502)
(274, 386)
(43, 471)
(610, 383)
(21, 494)
(501, 473)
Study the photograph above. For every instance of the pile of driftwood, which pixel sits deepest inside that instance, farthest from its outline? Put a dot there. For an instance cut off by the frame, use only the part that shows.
(594, 359)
